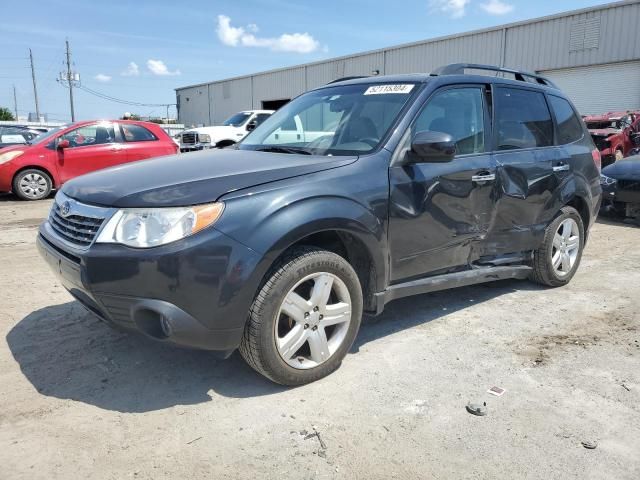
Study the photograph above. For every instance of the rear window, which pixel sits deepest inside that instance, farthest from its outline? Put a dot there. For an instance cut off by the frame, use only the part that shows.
(136, 133)
(568, 124)
(523, 119)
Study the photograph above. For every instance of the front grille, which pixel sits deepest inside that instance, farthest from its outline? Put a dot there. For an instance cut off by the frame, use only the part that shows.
(74, 228)
(633, 185)
(190, 138)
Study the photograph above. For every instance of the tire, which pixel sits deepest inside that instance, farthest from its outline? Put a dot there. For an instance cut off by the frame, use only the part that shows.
(618, 156)
(559, 242)
(32, 184)
(292, 343)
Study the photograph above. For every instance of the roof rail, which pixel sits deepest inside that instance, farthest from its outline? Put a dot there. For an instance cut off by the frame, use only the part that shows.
(344, 79)
(459, 68)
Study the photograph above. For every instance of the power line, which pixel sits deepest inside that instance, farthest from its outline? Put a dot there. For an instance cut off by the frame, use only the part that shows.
(122, 101)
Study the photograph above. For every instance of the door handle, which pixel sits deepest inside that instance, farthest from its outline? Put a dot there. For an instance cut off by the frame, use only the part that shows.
(561, 168)
(485, 177)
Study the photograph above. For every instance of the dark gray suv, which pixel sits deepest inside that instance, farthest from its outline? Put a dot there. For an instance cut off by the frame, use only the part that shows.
(395, 186)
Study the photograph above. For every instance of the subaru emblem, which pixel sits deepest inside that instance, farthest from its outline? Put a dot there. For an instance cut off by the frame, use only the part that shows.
(66, 208)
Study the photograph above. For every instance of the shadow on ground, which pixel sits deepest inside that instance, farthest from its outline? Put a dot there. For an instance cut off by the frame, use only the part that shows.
(67, 353)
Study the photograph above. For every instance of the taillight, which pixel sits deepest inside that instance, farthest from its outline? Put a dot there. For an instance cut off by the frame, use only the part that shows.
(597, 158)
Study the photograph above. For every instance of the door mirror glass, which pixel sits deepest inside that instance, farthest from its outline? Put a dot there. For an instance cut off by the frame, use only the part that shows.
(430, 146)
(251, 125)
(63, 143)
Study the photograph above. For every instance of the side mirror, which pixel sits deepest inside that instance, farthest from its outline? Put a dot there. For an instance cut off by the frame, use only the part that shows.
(62, 144)
(251, 125)
(430, 146)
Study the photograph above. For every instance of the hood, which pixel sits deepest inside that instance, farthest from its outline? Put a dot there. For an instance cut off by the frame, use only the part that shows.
(604, 132)
(625, 169)
(18, 146)
(191, 179)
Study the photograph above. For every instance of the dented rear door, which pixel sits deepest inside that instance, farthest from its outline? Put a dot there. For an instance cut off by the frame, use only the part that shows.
(524, 155)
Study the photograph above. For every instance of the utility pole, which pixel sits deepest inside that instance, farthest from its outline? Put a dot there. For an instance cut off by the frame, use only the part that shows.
(15, 102)
(35, 89)
(70, 80)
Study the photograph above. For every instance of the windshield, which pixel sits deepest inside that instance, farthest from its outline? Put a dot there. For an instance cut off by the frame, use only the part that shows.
(44, 137)
(236, 120)
(340, 120)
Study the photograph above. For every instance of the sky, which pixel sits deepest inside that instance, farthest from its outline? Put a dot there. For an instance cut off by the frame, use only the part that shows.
(141, 51)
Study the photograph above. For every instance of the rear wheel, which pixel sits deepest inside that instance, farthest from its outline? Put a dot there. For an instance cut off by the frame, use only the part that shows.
(304, 319)
(32, 184)
(556, 261)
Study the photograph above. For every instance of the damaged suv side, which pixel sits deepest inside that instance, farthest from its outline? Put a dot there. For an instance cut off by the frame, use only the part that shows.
(404, 185)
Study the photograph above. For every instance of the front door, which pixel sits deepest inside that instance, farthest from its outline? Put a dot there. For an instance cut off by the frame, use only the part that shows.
(91, 147)
(440, 213)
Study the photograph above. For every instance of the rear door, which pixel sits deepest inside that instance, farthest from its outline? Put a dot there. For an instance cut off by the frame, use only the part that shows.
(524, 156)
(91, 147)
(140, 143)
(440, 213)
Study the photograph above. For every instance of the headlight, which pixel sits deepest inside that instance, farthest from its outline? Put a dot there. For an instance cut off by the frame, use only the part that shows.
(151, 227)
(606, 181)
(8, 156)
(204, 138)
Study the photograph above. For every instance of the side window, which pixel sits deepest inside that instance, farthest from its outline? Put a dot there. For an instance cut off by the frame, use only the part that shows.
(569, 126)
(458, 112)
(523, 119)
(261, 117)
(289, 125)
(87, 135)
(136, 133)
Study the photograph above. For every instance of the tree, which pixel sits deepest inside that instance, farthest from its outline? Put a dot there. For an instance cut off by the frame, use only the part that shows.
(5, 114)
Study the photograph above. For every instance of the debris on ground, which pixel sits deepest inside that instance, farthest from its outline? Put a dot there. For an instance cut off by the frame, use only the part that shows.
(194, 440)
(497, 391)
(316, 434)
(477, 409)
(626, 388)
(590, 444)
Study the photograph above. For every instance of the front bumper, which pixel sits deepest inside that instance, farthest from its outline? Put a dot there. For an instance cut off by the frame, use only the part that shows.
(195, 292)
(188, 147)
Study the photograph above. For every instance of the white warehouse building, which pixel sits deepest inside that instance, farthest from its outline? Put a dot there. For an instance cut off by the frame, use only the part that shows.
(592, 54)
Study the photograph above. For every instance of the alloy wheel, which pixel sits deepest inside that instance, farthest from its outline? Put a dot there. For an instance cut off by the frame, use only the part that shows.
(566, 246)
(313, 320)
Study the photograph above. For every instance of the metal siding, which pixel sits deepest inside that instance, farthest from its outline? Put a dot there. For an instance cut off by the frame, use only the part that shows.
(195, 110)
(600, 88)
(535, 46)
(239, 98)
(278, 85)
(547, 44)
(478, 48)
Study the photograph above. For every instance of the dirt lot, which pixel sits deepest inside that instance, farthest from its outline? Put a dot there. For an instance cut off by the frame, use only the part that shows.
(79, 400)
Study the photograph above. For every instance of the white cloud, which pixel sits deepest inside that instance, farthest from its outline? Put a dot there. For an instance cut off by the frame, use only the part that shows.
(454, 8)
(287, 42)
(157, 67)
(102, 78)
(496, 7)
(132, 70)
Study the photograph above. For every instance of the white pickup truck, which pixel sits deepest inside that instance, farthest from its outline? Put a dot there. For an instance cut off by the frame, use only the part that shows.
(232, 130)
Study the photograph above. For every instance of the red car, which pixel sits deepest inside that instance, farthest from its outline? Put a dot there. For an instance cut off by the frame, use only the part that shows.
(31, 171)
(611, 132)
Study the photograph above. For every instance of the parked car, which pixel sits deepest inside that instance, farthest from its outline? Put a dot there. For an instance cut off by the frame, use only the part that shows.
(277, 246)
(14, 135)
(621, 188)
(232, 130)
(31, 171)
(611, 132)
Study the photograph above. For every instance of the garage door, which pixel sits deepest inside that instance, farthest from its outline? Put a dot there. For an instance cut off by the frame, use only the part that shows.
(601, 88)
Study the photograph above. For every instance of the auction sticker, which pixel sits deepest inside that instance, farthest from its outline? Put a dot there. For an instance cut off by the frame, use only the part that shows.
(383, 89)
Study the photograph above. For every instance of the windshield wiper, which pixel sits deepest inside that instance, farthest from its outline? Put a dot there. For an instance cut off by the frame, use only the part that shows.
(276, 149)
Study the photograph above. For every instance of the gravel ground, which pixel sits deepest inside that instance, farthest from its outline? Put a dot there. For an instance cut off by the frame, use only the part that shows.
(80, 400)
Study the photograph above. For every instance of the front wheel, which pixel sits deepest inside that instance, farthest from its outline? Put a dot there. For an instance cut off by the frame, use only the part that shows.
(556, 261)
(32, 184)
(304, 319)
